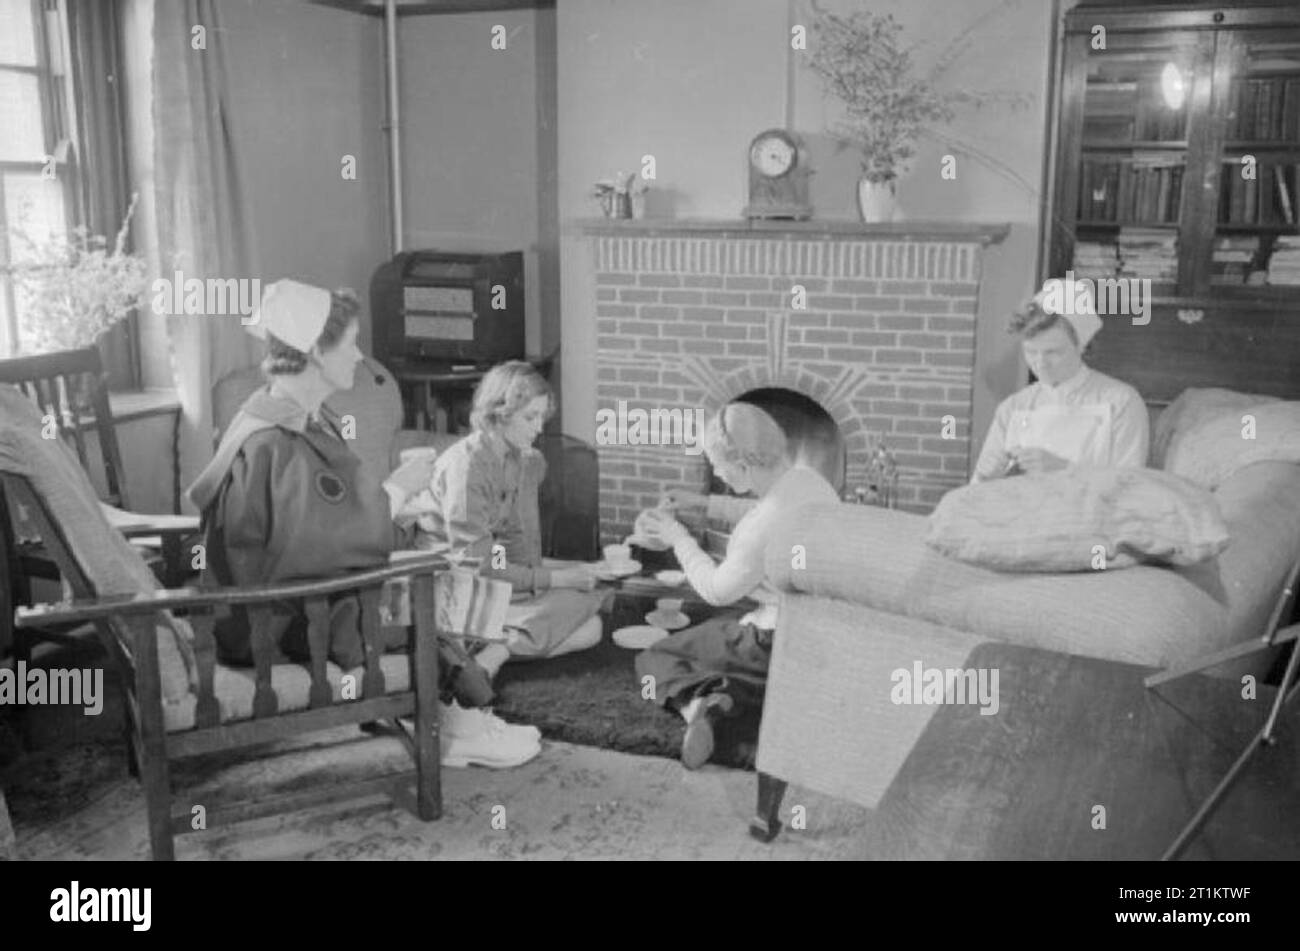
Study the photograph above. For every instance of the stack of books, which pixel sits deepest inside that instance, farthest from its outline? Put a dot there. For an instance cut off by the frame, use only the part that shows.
(1095, 259)
(1148, 252)
(1233, 256)
(1284, 264)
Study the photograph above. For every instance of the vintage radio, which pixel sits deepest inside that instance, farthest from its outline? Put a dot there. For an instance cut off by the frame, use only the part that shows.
(432, 307)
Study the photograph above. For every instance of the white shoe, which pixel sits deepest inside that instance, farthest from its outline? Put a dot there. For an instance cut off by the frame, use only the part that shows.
(475, 736)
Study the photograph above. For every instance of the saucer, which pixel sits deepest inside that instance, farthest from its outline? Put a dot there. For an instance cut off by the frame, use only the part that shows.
(639, 636)
(670, 577)
(669, 620)
(607, 572)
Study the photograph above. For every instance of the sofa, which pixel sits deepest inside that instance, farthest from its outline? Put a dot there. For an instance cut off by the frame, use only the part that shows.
(866, 597)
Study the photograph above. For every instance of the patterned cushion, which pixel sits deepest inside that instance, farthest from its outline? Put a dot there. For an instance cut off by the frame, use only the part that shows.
(1062, 521)
(1193, 406)
(1214, 448)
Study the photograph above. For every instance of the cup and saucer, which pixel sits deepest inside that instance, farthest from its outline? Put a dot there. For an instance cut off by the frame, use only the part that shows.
(618, 563)
(668, 614)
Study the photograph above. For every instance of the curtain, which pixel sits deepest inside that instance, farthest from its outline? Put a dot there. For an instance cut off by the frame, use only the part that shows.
(103, 194)
(201, 209)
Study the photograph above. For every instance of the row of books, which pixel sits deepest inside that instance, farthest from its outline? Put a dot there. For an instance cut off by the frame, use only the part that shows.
(1123, 111)
(1266, 109)
(1267, 198)
(1136, 252)
(1234, 259)
(1148, 252)
(1284, 262)
(1130, 189)
(1152, 254)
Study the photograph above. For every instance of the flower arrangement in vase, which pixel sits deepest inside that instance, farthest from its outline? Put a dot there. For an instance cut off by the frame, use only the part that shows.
(73, 288)
(860, 59)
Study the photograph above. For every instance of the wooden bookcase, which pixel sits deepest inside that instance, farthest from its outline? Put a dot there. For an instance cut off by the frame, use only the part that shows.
(1178, 160)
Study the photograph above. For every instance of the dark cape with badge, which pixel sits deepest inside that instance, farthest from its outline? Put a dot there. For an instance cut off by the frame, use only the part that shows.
(286, 499)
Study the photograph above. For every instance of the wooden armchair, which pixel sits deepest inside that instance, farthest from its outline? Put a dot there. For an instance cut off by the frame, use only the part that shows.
(218, 708)
(179, 701)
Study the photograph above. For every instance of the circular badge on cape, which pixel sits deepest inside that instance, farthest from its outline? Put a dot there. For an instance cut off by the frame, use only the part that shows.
(330, 487)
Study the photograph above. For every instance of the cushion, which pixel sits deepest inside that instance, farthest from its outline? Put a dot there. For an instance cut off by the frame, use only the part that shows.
(1193, 406)
(112, 565)
(1214, 448)
(1062, 521)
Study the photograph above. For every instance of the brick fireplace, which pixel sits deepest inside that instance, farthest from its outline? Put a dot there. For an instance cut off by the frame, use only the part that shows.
(693, 314)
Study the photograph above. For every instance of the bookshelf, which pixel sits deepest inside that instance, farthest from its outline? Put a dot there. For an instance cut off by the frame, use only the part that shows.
(1178, 151)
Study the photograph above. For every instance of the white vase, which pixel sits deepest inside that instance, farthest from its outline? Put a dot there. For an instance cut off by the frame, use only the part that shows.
(876, 201)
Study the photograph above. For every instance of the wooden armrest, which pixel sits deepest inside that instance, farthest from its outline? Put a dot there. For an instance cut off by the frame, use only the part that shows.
(176, 598)
(134, 523)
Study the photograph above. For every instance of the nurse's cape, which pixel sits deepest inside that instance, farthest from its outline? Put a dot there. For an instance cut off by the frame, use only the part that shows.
(286, 500)
(1091, 419)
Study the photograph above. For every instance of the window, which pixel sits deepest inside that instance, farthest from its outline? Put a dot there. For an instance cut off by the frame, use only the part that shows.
(37, 176)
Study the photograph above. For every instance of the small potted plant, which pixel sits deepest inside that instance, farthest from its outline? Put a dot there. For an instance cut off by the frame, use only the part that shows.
(622, 196)
(73, 288)
(860, 59)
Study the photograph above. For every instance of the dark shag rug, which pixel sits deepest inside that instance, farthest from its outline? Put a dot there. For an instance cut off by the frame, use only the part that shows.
(593, 698)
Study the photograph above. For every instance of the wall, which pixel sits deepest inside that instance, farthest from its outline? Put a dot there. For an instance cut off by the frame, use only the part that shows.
(307, 87)
(472, 127)
(691, 83)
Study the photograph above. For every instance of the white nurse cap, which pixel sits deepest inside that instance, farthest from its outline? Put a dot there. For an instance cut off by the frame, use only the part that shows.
(295, 313)
(1072, 300)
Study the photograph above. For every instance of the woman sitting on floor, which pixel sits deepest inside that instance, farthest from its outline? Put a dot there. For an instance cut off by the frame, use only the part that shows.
(285, 499)
(719, 668)
(482, 502)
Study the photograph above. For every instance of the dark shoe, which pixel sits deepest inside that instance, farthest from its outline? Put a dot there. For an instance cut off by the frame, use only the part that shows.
(697, 743)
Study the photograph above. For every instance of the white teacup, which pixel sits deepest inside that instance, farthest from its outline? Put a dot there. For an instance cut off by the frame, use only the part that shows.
(416, 452)
(617, 554)
(669, 605)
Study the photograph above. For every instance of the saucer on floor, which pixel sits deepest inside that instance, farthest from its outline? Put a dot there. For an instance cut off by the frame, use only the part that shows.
(607, 572)
(669, 620)
(639, 636)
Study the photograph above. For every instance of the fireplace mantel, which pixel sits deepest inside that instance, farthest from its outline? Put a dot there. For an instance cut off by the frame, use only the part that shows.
(972, 232)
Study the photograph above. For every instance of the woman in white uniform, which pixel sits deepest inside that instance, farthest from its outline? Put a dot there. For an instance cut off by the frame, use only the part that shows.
(1072, 415)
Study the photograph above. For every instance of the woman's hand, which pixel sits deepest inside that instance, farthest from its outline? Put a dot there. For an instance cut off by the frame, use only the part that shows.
(580, 577)
(414, 475)
(659, 526)
(676, 500)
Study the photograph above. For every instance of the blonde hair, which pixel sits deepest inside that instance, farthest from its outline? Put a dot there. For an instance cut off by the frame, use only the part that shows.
(505, 390)
(741, 432)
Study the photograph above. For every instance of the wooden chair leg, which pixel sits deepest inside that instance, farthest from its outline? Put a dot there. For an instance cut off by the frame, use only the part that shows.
(428, 745)
(158, 804)
(23, 656)
(766, 823)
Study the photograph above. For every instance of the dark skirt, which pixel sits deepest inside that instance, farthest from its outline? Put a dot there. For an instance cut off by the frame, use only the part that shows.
(719, 656)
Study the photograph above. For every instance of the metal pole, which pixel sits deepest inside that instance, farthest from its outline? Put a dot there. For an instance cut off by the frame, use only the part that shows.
(394, 132)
